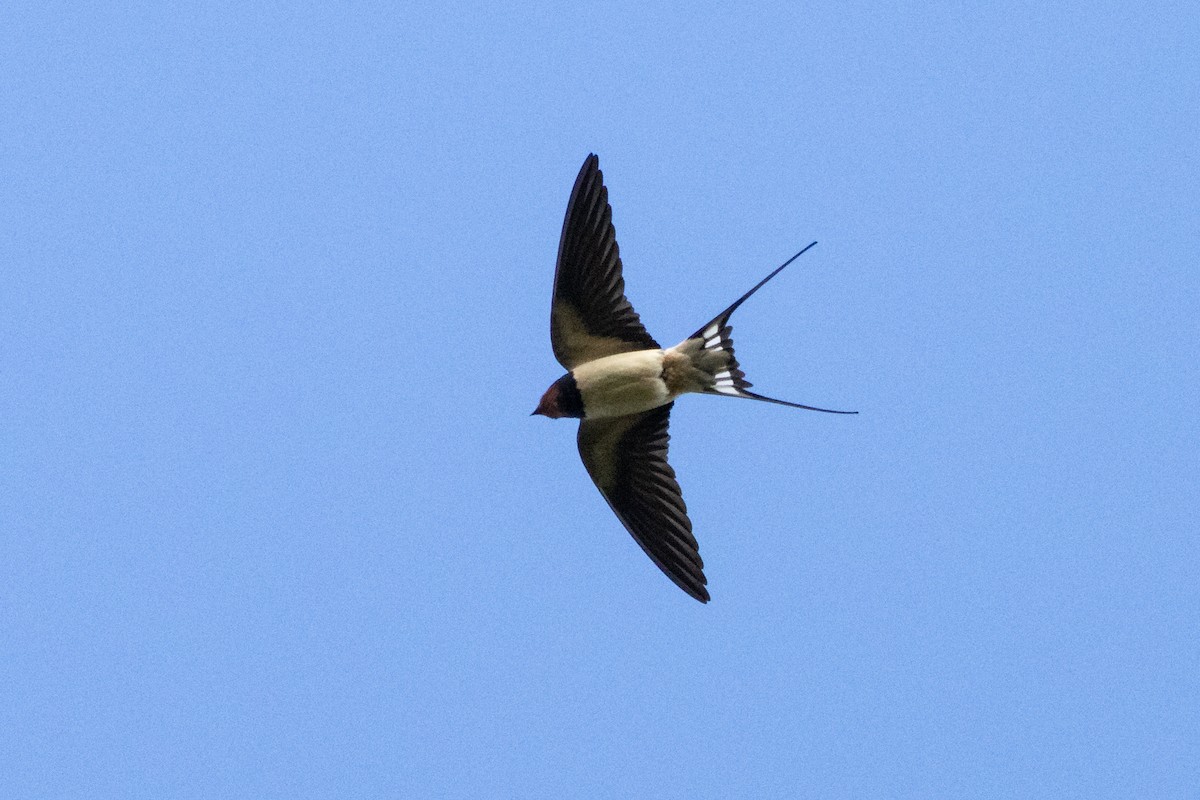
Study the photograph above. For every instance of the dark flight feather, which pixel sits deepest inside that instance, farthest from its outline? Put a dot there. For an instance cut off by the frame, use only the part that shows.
(590, 317)
(627, 459)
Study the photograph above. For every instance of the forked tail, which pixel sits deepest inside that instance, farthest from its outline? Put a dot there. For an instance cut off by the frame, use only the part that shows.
(715, 337)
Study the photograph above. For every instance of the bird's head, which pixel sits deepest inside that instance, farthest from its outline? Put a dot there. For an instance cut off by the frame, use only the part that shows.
(562, 399)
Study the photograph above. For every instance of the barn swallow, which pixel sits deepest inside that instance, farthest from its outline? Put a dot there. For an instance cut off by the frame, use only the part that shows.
(621, 384)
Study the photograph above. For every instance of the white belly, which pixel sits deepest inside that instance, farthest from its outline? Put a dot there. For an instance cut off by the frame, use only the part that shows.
(627, 383)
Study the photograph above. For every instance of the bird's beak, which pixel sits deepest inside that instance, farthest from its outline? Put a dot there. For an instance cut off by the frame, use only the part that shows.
(545, 407)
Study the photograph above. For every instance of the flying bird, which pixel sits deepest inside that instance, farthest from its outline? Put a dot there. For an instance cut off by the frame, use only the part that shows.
(621, 383)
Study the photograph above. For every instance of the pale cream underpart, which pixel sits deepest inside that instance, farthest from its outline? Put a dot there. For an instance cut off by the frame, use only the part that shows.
(574, 345)
(630, 383)
(598, 440)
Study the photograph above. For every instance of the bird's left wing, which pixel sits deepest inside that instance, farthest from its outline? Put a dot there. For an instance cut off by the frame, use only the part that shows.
(590, 316)
(627, 459)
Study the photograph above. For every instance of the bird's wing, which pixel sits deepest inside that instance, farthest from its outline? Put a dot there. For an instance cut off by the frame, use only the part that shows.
(627, 459)
(590, 316)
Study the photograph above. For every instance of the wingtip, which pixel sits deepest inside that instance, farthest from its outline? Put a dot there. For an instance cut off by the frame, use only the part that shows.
(697, 591)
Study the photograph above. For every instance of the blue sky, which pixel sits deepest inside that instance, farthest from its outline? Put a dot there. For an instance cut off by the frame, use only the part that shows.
(276, 521)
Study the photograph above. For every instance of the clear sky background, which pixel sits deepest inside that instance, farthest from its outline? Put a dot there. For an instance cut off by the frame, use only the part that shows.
(276, 521)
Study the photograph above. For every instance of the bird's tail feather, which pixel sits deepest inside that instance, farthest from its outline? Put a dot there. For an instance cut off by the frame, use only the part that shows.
(716, 338)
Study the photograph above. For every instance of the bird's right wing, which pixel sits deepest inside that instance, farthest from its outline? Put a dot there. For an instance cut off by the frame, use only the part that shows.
(590, 316)
(627, 459)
